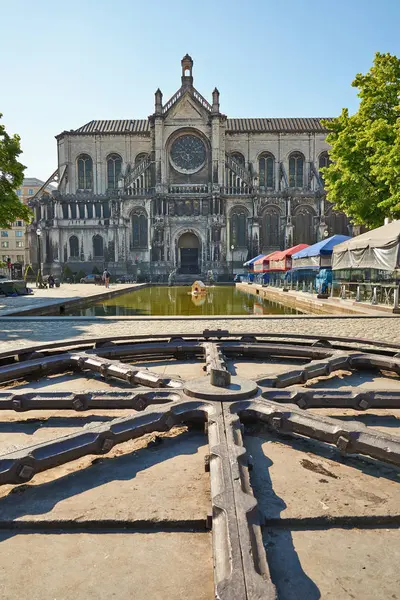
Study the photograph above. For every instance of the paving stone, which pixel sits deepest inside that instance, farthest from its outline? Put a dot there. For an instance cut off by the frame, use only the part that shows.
(20, 333)
(158, 477)
(299, 478)
(335, 564)
(84, 566)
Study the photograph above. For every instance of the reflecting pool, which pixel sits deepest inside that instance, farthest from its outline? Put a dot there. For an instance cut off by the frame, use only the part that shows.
(178, 301)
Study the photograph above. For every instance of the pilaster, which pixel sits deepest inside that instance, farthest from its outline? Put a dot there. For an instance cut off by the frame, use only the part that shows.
(160, 170)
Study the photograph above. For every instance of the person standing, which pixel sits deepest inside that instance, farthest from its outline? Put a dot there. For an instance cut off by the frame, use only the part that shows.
(106, 278)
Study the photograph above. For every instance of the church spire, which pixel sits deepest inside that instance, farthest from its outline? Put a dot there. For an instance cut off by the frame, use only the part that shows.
(187, 68)
(215, 101)
(158, 102)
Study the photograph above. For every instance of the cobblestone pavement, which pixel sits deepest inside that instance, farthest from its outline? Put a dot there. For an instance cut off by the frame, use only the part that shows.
(22, 332)
(50, 297)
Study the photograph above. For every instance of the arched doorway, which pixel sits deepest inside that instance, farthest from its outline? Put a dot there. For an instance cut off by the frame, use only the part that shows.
(188, 248)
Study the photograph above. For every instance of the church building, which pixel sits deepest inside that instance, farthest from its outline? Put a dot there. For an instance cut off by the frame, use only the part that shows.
(186, 189)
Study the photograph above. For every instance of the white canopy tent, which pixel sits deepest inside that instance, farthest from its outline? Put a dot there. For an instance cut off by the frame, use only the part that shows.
(376, 249)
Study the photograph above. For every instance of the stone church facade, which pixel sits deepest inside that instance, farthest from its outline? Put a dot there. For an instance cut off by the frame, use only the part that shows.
(186, 189)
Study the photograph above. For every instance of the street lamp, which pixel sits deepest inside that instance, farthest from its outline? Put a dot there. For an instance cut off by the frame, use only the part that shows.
(39, 256)
(232, 249)
(150, 262)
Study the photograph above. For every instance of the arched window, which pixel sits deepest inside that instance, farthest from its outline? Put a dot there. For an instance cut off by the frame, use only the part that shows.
(140, 158)
(266, 164)
(238, 229)
(271, 229)
(85, 172)
(324, 161)
(98, 246)
(114, 163)
(73, 247)
(338, 223)
(303, 221)
(139, 230)
(296, 170)
(239, 158)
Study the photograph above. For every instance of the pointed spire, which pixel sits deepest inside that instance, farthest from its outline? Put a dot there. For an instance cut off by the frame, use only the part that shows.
(215, 101)
(158, 102)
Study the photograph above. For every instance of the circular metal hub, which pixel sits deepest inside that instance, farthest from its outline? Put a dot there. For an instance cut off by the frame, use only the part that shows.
(239, 389)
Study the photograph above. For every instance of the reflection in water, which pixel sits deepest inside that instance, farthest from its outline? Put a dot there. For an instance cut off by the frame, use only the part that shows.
(198, 300)
(177, 300)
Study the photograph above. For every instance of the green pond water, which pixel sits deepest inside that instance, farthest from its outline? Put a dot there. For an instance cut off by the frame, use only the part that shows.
(177, 300)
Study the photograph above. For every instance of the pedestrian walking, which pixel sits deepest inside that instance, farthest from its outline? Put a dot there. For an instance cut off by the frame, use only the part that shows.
(106, 278)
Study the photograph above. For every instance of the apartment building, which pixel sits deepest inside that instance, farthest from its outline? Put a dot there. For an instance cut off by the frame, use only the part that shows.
(14, 245)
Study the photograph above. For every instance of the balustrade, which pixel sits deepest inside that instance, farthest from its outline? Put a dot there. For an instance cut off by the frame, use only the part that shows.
(188, 188)
(241, 190)
(172, 101)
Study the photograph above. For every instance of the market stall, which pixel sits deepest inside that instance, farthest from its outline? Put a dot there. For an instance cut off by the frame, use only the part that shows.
(261, 267)
(312, 265)
(281, 262)
(376, 250)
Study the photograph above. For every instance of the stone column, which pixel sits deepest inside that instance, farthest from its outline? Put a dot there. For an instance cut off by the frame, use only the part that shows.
(215, 141)
(289, 229)
(98, 174)
(277, 175)
(255, 243)
(215, 152)
(160, 168)
(116, 243)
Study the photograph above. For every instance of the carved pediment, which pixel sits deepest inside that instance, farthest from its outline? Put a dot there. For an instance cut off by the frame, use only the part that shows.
(186, 108)
(188, 105)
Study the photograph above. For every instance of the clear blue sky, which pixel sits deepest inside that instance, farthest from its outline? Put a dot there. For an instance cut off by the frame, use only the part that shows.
(66, 63)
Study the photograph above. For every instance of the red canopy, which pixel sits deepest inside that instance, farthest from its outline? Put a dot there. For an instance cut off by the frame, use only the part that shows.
(282, 260)
(261, 265)
(281, 255)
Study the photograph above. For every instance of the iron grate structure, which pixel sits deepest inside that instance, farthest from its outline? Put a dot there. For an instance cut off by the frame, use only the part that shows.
(221, 402)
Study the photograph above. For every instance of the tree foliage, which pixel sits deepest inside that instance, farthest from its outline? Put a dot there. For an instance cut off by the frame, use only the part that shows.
(363, 179)
(11, 178)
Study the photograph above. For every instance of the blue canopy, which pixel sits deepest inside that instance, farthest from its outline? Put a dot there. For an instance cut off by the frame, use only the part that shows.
(252, 260)
(305, 268)
(323, 247)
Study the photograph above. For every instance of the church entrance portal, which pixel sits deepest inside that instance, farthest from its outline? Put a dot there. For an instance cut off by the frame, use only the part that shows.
(188, 246)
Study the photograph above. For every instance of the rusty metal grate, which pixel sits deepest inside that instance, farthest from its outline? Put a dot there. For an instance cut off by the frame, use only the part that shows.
(219, 400)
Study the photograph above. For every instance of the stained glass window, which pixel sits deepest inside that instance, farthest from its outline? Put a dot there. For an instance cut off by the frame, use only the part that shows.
(73, 247)
(98, 246)
(324, 161)
(85, 172)
(238, 232)
(266, 169)
(239, 158)
(114, 164)
(296, 170)
(139, 230)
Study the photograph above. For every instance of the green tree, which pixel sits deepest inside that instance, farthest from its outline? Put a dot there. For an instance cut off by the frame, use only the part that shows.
(363, 179)
(11, 178)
